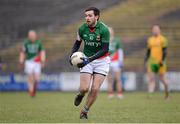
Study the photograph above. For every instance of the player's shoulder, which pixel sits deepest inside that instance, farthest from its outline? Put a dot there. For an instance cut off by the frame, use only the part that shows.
(102, 25)
(26, 41)
(38, 41)
(151, 37)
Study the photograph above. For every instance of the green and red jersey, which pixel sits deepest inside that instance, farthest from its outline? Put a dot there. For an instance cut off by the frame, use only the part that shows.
(93, 38)
(114, 46)
(33, 50)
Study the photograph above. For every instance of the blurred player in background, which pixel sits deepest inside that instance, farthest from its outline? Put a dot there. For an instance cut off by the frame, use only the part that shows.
(156, 59)
(95, 67)
(116, 54)
(32, 59)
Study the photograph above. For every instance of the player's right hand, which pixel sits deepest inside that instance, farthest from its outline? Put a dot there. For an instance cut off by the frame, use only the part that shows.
(85, 62)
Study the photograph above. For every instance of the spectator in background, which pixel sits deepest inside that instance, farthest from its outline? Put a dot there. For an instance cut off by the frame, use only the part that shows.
(156, 59)
(32, 58)
(116, 54)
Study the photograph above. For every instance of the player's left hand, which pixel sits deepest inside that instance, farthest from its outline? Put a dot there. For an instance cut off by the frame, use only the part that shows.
(85, 62)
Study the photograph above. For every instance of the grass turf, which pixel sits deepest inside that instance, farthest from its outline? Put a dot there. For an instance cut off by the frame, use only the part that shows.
(58, 107)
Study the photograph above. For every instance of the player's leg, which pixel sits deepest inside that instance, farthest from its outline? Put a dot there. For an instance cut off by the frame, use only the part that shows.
(110, 85)
(162, 76)
(118, 83)
(96, 84)
(151, 83)
(37, 76)
(30, 81)
(101, 70)
(30, 77)
(36, 81)
(85, 79)
(165, 83)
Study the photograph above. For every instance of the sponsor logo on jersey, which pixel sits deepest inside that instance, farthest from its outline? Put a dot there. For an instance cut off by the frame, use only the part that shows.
(93, 44)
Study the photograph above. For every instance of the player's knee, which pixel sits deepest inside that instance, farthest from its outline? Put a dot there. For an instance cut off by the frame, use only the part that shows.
(152, 79)
(94, 90)
(84, 89)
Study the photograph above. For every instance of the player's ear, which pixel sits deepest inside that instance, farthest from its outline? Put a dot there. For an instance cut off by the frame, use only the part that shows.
(97, 17)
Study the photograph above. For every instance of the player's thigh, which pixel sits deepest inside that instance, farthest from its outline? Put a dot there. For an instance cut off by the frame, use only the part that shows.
(117, 74)
(37, 71)
(151, 76)
(30, 77)
(110, 77)
(85, 80)
(28, 67)
(163, 78)
(98, 79)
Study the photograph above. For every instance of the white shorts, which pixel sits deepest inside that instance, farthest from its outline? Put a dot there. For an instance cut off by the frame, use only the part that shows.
(32, 67)
(115, 66)
(99, 66)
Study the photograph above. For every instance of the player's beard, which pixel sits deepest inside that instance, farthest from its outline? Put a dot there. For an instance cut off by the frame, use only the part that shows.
(92, 24)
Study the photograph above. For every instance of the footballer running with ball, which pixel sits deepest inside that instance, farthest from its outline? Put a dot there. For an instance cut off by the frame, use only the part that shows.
(32, 59)
(95, 65)
(156, 59)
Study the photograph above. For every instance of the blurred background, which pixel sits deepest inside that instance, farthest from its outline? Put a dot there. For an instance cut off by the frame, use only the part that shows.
(57, 21)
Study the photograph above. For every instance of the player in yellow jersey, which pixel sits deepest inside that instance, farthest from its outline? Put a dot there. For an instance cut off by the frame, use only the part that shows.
(155, 59)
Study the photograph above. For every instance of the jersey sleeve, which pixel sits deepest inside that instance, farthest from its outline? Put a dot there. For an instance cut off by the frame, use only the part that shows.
(105, 36)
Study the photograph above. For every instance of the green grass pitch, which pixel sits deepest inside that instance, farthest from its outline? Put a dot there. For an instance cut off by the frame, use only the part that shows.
(58, 107)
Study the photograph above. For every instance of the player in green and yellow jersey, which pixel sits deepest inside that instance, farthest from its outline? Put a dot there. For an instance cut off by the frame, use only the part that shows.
(32, 58)
(156, 59)
(116, 54)
(95, 66)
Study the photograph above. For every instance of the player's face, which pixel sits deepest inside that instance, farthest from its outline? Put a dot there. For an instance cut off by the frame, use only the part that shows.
(156, 30)
(90, 18)
(32, 36)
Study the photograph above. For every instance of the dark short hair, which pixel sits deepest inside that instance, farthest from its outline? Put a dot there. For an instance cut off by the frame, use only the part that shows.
(95, 10)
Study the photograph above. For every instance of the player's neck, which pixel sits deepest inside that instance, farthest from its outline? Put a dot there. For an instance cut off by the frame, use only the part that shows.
(157, 35)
